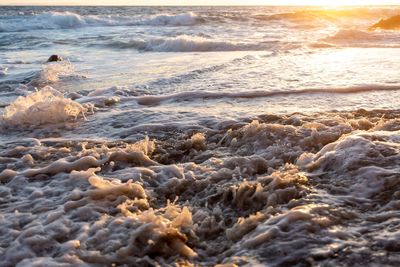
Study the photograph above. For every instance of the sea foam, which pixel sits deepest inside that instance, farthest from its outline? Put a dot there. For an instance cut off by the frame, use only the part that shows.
(282, 189)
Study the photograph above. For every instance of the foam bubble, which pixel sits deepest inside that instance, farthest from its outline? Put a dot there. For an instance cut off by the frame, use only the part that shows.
(361, 163)
(281, 189)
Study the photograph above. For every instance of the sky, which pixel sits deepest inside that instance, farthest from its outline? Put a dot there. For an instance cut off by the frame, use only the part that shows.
(199, 2)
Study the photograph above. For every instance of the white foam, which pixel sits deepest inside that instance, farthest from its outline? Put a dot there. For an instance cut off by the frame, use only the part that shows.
(43, 107)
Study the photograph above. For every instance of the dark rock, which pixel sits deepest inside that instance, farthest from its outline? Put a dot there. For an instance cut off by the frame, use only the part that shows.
(54, 58)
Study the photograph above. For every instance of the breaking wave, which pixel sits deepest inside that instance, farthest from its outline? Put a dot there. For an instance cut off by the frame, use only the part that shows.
(186, 43)
(70, 20)
(359, 38)
(287, 16)
(326, 14)
(54, 20)
(392, 23)
(184, 19)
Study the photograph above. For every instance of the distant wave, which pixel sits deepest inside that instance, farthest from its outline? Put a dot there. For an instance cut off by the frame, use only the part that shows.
(299, 15)
(53, 20)
(186, 43)
(184, 19)
(186, 96)
(70, 20)
(359, 38)
(321, 17)
(321, 45)
(349, 35)
(328, 14)
(392, 23)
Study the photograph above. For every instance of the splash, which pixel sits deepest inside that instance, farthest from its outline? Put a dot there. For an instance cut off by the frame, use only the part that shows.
(54, 72)
(46, 106)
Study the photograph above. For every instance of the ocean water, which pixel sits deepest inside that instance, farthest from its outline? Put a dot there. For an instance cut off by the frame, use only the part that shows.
(198, 136)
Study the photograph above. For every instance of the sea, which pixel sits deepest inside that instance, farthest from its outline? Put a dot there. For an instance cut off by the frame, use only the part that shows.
(200, 136)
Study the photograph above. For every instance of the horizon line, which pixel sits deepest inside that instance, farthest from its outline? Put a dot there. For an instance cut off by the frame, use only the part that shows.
(250, 5)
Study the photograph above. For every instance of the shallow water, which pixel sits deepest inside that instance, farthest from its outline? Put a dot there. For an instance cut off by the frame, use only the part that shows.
(199, 136)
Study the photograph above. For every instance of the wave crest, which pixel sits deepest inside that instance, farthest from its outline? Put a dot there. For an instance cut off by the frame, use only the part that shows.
(69, 20)
(187, 43)
(392, 23)
(54, 20)
(358, 38)
(193, 95)
(184, 19)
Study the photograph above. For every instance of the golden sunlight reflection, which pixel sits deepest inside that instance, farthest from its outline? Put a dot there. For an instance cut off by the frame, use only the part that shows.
(338, 2)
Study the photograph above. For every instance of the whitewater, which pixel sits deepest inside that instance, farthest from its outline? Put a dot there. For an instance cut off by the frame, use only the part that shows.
(200, 136)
